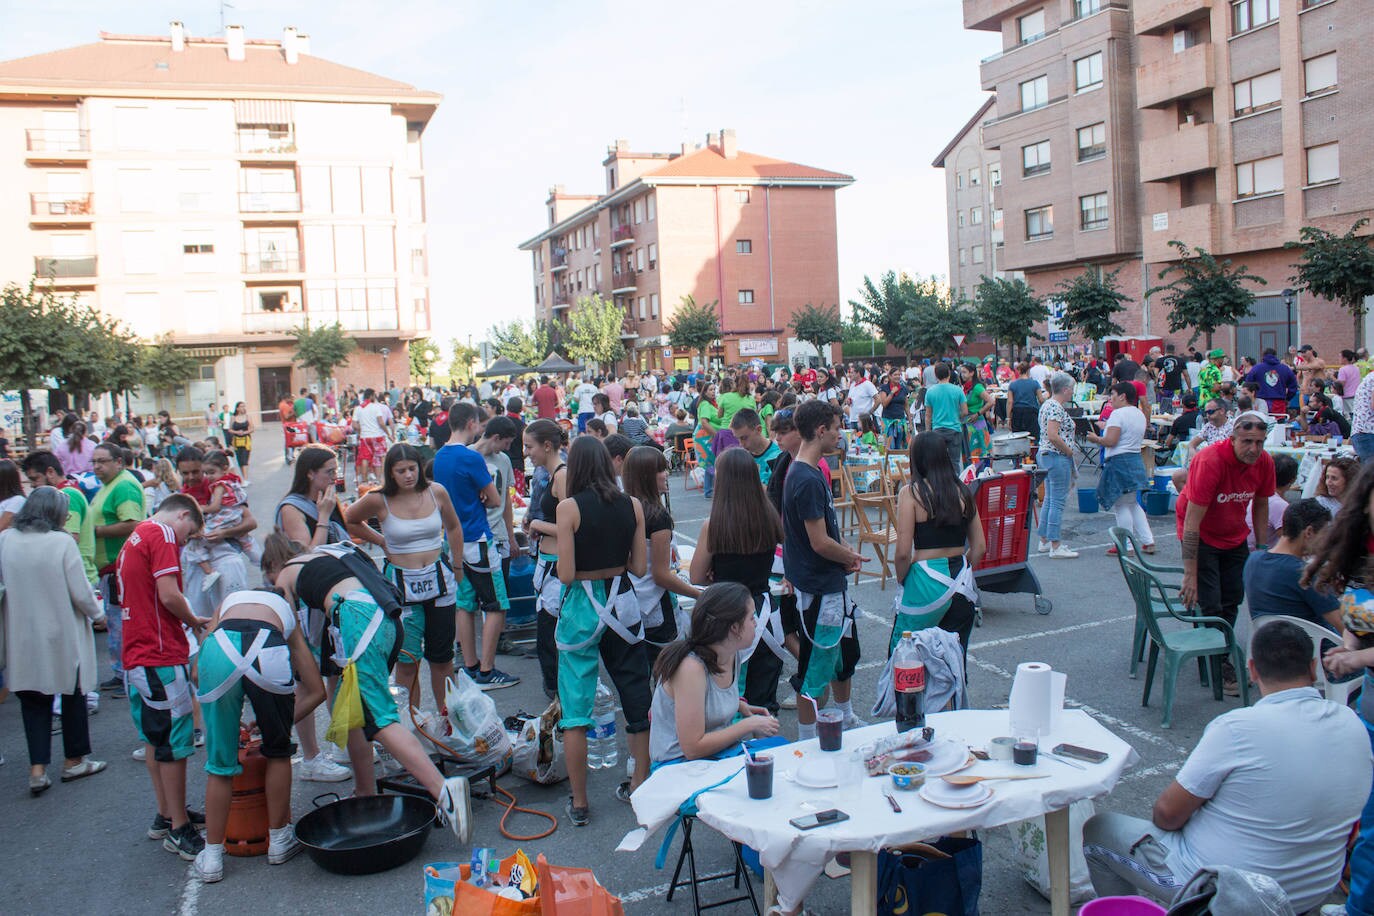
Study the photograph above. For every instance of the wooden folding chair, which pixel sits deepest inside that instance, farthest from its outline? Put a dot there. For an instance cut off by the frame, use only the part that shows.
(845, 512)
(882, 535)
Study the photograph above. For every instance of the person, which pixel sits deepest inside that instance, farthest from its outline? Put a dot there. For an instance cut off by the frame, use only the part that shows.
(1055, 456)
(892, 399)
(156, 659)
(1362, 420)
(545, 398)
(1024, 397)
(731, 401)
(1246, 796)
(633, 427)
(1335, 483)
(544, 440)
(211, 418)
(11, 492)
(1277, 383)
(515, 408)
(223, 512)
(74, 450)
(940, 541)
(1348, 375)
(1124, 369)
(1182, 429)
(601, 407)
(1209, 377)
(748, 429)
(861, 398)
(255, 645)
(1325, 419)
(116, 510)
(241, 436)
(165, 481)
(1217, 428)
(1285, 475)
(229, 546)
(583, 394)
(947, 405)
(376, 426)
(614, 391)
(708, 422)
(1224, 482)
(1169, 378)
(462, 471)
(1123, 470)
(414, 515)
(978, 417)
(697, 708)
(817, 563)
(49, 610)
(43, 470)
(600, 538)
(1273, 577)
(310, 512)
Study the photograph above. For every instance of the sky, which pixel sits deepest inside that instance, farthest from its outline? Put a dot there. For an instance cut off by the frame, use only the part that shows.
(534, 92)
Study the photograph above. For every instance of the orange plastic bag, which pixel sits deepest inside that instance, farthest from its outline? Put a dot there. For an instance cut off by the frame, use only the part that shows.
(448, 893)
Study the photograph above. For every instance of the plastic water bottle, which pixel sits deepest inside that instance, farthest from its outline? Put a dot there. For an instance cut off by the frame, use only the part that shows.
(602, 747)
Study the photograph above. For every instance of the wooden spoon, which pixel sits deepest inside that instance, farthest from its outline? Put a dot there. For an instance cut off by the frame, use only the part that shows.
(970, 780)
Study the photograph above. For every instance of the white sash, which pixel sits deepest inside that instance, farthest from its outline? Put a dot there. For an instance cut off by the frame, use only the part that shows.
(826, 615)
(178, 692)
(768, 629)
(243, 666)
(619, 613)
(963, 584)
(372, 626)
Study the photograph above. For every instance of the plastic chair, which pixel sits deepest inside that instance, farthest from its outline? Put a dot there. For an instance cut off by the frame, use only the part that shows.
(1336, 693)
(1126, 546)
(1213, 642)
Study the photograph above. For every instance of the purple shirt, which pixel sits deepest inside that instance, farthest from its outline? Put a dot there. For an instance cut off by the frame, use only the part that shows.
(1349, 377)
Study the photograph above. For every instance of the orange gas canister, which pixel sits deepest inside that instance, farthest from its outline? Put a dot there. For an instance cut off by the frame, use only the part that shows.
(246, 833)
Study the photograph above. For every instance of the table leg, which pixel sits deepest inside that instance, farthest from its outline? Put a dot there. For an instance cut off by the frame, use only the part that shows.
(1057, 845)
(863, 878)
(770, 891)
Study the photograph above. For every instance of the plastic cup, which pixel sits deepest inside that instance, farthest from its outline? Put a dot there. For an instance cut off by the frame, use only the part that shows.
(758, 770)
(830, 729)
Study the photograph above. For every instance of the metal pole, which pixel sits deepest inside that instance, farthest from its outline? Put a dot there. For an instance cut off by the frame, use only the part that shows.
(1288, 307)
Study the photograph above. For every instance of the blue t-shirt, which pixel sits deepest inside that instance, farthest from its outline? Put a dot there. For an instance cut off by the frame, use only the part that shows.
(1271, 587)
(1026, 392)
(463, 473)
(805, 495)
(942, 406)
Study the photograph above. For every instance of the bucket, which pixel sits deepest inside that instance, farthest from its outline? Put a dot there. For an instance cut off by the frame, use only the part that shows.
(1156, 503)
(1162, 478)
(1087, 500)
(1121, 906)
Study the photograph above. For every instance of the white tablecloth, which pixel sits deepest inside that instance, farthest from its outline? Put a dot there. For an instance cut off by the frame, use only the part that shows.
(796, 858)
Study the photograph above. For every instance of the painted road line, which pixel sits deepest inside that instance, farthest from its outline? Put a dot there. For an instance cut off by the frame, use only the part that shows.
(1008, 640)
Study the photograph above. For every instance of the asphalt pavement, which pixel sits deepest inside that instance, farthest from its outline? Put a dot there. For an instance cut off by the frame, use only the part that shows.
(80, 848)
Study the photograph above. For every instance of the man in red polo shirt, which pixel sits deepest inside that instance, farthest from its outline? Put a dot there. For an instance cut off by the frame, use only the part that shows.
(545, 399)
(156, 657)
(1225, 483)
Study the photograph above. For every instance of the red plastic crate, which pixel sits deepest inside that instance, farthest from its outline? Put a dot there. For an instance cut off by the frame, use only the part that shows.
(1003, 503)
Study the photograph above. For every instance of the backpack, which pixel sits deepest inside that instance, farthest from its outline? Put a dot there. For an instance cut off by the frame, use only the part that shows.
(384, 591)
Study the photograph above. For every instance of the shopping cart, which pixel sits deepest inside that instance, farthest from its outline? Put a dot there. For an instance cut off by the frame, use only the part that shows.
(1004, 505)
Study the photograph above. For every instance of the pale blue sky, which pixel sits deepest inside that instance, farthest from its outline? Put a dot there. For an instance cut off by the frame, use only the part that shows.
(534, 93)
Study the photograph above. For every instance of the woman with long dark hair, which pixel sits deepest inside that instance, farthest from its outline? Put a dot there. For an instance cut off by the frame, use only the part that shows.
(544, 444)
(939, 543)
(75, 451)
(708, 422)
(697, 698)
(11, 493)
(241, 435)
(310, 513)
(738, 544)
(600, 539)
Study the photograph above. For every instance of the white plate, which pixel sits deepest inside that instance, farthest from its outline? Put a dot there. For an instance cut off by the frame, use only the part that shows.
(948, 755)
(938, 792)
(817, 774)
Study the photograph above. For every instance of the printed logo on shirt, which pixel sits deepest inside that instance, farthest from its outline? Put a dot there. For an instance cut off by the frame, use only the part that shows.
(1244, 496)
(1271, 378)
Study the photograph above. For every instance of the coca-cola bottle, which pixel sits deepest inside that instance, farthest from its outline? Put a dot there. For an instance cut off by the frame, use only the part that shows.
(909, 684)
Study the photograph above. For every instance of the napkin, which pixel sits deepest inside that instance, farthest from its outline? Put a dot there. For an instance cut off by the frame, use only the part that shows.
(1037, 699)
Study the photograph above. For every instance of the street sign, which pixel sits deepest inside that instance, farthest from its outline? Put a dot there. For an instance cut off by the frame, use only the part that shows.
(1054, 327)
(959, 340)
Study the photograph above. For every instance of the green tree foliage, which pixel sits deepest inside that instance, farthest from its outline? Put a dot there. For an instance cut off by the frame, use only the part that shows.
(33, 340)
(694, 327)
(464, 357)
(322, 349)
(1090, 300)
(1206, 293)
(103, 355)
(527, 343)
(162, 366)
(423, 353)
(933, 319)
(1339, 268)
(1008, 311)
(883, 306)
(593, 333)
(819, 326)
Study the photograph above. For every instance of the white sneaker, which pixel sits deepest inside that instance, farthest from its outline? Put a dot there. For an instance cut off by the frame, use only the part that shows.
(789, 702)
(93, 702)
(339, 755)
(283, 845)
(455, 807)
(322, 769)
(1063, 553)
(1042, 547)
(210, 581)
(1333, 909)
(139, 753)
(209, 864)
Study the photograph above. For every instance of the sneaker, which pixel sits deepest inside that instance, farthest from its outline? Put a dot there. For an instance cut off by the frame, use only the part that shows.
(283, 846)
(1333, 909)
(789, 703)
(160, 828)
(197, 818)
(199, 738)
(209, 582)
(1042, 547)
(455, 807)
(185, 841)
(339, 755)
(112, 684)
(39, 784)
(622, 792)
(87, 767)
(209, 864)
(1063, 553)
(580, 817)
(1230, 687)
(140, 753)
(495, 679)
(92, 703)
(322, 769)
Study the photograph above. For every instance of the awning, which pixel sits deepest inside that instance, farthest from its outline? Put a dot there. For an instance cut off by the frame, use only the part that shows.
(263, 111)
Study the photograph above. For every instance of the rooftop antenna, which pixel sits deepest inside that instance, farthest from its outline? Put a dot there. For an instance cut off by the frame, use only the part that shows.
(222, 7)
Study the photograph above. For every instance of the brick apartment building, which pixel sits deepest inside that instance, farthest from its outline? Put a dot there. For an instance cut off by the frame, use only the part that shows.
(1120, 126)
(754, 234)
(224, 191)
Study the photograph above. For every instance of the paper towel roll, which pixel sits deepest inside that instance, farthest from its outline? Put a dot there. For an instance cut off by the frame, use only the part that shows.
(1037, 697)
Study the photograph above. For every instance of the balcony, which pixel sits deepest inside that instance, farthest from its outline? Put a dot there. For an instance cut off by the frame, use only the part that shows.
(1159, 15)
(272, 322)
(271, 262)
(61, 208)
(57, 145)
(371, 319)
(558, 261)
(561, 300)
(1191, 148)
(1194, 226)
(623, 281)
(622, 235)
(987, 15)
(273, 144)
(627, 328)
(1178, 76)
(65, 268)
(269, 202)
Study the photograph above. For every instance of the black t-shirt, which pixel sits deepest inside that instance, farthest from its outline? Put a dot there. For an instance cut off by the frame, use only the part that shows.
(1172, 367)
(516, 452)
(1182, 428)
(421, 411)
(805, 496)
(1125, 371)
(1328, 415)
(776, 478)
(895, 408)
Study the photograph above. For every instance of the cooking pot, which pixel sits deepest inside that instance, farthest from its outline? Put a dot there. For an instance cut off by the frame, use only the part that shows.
(367, 834)
(1011, 445)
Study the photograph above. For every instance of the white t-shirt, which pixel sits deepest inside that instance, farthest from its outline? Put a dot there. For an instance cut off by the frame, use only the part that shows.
(1284, 781)
(861, 400)
(1193, 368)
(371, 419)
(612, 425)
(1131, 421)
(1039, 372)
(13, 504)
(583, 395)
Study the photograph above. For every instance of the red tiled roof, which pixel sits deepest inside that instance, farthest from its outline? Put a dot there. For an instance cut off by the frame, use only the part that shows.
(709, 163)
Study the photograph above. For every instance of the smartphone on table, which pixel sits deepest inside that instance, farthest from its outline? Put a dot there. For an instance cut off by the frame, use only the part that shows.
(1078, 753)
(819, 819)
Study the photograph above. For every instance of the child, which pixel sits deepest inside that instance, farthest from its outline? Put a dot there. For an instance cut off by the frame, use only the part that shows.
(224, 510)
(868, 434)
(164, 483)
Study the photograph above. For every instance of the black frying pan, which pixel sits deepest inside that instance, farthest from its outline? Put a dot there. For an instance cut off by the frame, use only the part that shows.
(360, 836)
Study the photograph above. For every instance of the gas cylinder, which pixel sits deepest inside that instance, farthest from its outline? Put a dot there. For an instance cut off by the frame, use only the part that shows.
(246, 834)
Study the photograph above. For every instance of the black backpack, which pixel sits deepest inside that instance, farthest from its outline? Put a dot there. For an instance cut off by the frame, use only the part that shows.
(385, 592)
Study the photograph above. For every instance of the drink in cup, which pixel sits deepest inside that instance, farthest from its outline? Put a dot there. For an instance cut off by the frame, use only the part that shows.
(758, 769)
(1025, 751)
(830, 729)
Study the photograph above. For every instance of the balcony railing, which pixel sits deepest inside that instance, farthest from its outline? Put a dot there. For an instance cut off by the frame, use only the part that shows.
(60, 204)
(58, 141)
(1177, 76)
(271, 262)
(623, 233)
(64, 267)
(558, 260)
(279, 322)
(260, 141)
(269, 202)
(372, 319)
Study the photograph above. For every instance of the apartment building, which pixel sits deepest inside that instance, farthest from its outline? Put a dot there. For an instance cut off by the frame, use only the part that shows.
(223, 191)
(754, 234)
(973, 174)
(1220, 123)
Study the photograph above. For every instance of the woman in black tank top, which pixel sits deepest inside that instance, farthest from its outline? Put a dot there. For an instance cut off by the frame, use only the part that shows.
(600, 539)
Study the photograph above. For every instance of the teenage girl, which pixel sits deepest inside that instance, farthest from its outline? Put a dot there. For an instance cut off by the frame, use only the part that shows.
(544, 444)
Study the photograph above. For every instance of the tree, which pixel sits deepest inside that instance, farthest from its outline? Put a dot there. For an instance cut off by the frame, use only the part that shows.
(1339, 268)
(33, 340)
(1206, 294)
(322, 349)
(162, 366)
(103, 354)
(1090, 300)
(819, 326)
(694, 327)
(463, 359)
(933, 319)
(594, 330)
(1008, 311)
(423, 353)
(526, 344)
(884, 306)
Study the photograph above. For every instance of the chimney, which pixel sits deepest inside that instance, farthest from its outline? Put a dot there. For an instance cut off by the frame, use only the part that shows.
(178, 36)
(727, 143)
(233, 39)
(302, 43)
(288, 44)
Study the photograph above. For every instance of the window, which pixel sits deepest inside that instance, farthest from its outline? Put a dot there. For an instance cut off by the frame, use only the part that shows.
(197, 251)
(1251, 14)
(1083, 8)
(963, 256)
(958, 179)
(978, 254)
(961, 219)
(1092, 142)
(653, 305)
(642, 311)
(651, 207)
(1259, 176)
(1035, 93)
(653, 255)
(1040, 223)
(744, 246)
(610, 179)
(598, 276)
(1087, 72)
(1030, 26)
(639, 211)
(975, 216)
(347, 185)
(1319, 73)
(1323, 163)
(133, 127)
(198, 248)
(1035, 159)
(1258, 92)
(376, 190)
(136, 190)
(1092, 211)
(639, 259)
(995, 175)
(997, 219)
(193, 190)
(975, 177)
(746, 297)
(741, 195)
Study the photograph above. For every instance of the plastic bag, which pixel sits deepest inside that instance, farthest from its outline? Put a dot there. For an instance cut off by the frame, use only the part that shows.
(1032, 859)
(478, 735)
(347, 712)
(448, 893)
(538, 748)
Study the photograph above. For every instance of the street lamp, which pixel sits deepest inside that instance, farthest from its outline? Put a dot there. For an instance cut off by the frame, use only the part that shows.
(1288, 306)
(385, 351)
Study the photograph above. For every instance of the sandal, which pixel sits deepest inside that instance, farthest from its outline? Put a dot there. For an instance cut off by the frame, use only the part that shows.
(87, 767)
(1113, 552)
(1148, 548)
(580, 817)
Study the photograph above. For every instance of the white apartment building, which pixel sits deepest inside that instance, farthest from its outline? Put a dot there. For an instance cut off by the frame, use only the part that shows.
(222, 191)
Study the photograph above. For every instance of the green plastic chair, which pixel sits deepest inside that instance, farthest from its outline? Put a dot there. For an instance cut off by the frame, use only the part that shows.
(1127, 547)
(1213, 642)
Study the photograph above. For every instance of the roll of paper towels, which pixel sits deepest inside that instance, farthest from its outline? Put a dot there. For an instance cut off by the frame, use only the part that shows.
(1037, 697)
